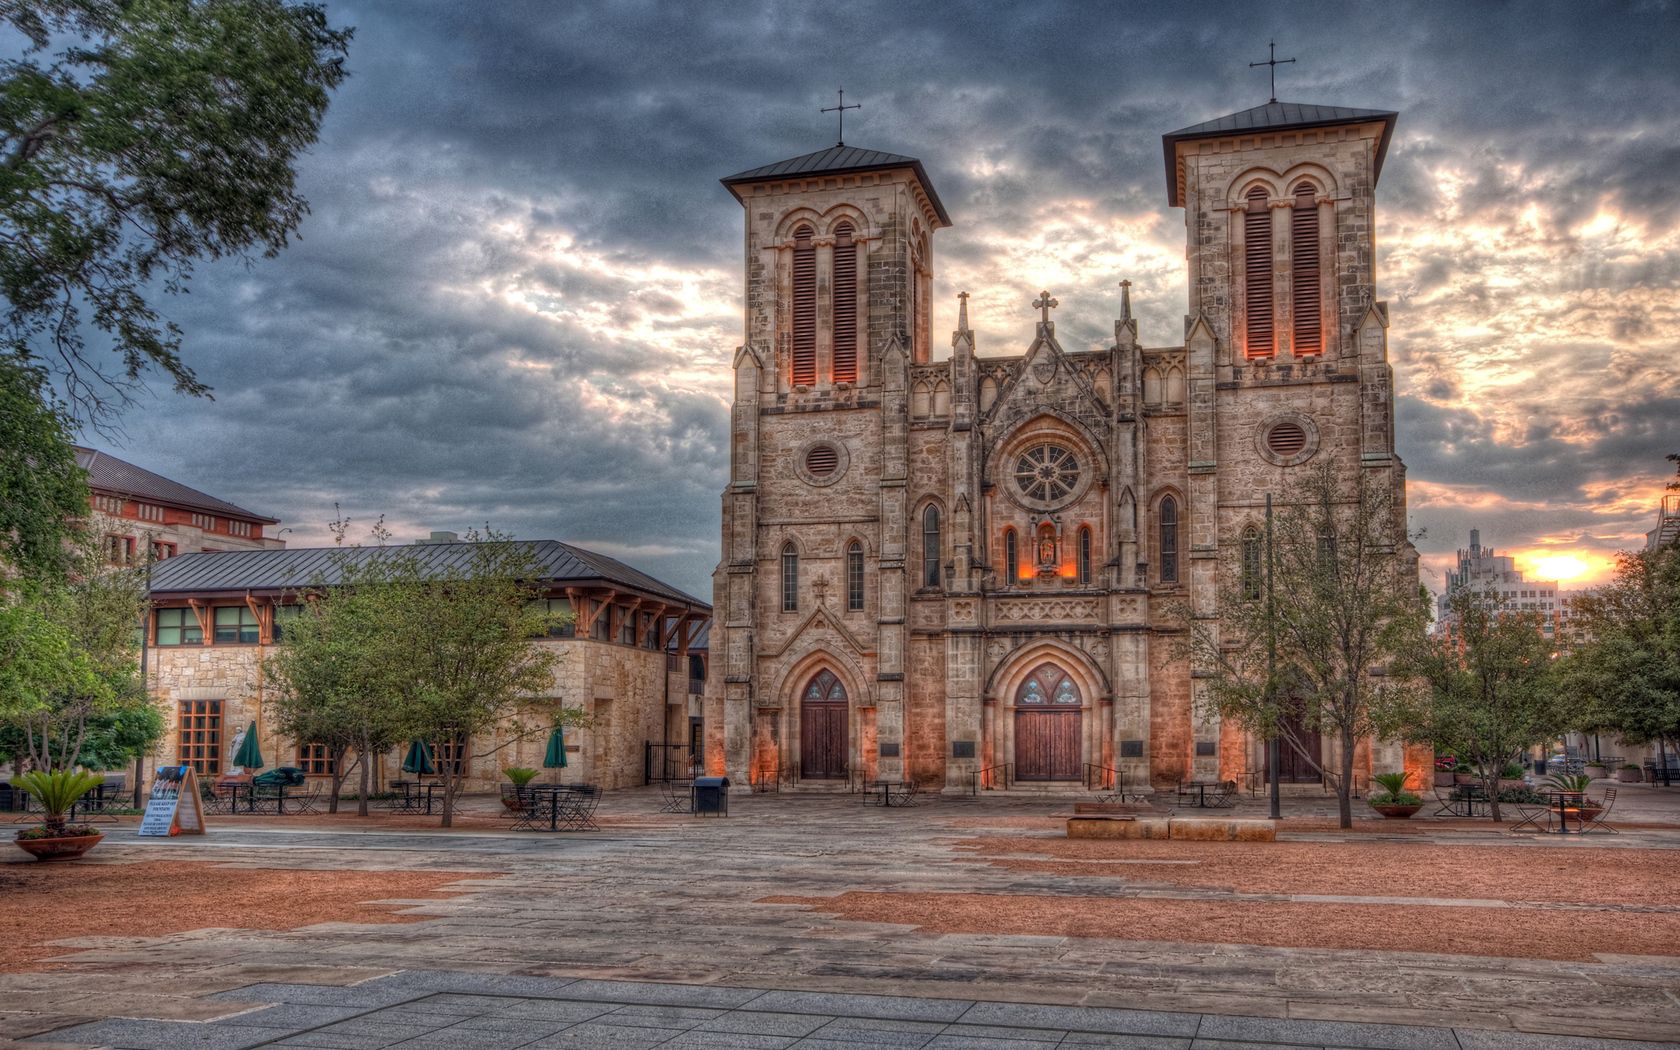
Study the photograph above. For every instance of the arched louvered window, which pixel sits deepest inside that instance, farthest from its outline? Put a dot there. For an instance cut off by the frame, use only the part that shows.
(804, 308)
(1257, 272)
(1169, 539)
(1250, 565)
(930, 546)
(1085, 554)
(790, 579)
(1303, 270)
(845, 305)
(1011, 556)
(854, 577)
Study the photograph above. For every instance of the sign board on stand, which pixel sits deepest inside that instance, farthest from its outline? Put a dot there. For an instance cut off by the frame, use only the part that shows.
(174, 807)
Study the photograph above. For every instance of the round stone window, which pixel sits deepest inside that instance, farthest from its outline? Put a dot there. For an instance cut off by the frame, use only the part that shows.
(821, 463)
(1047, 473)
(1287, 440)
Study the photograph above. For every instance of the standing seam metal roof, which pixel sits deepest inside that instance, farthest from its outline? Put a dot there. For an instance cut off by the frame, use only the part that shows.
(833, 160)
(297, 568)
(1274, 116)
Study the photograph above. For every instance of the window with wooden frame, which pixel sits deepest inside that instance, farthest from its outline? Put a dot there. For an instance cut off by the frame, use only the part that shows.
(234, 625)
(1085, 554)
(854, 577)
(804, 372)
(1257, 273)
(178, 627)
(1303, 270)
(199, 736)
(930, 546)
(790, 579)
(162, 550)
(845, 305)
(119, 550)
(601, 629)
(1169, 539)
(315, 760)
(627, 627)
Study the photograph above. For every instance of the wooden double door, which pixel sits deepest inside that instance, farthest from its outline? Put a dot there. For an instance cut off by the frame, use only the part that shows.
(824, 740)
(1048, 715)
(1299, 764)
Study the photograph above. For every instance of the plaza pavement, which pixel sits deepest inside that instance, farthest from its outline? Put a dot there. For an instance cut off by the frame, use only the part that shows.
(648, 934)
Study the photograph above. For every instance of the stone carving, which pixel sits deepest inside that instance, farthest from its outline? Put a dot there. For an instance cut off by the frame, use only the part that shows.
(1041, 610)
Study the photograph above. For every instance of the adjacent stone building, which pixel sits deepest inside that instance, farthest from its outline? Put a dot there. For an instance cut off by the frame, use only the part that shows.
(625, 660)
(966, 569)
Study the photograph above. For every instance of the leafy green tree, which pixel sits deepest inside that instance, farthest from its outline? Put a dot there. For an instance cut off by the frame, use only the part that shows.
(1344, 597)
(162, 132)
(43, 493)
(1492, 690)
(1628, 666)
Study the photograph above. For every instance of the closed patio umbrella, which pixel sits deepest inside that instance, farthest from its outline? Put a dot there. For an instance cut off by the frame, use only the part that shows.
(555, 757)
(419, 760)
(249, 754)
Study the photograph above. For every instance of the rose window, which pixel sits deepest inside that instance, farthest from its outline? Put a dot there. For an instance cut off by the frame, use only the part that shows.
(1047, 473)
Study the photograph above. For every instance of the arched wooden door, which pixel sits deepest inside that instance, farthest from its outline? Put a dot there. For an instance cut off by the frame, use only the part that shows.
(822, 728)
(1047, 717)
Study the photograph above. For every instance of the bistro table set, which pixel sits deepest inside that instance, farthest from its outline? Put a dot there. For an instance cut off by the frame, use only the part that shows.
(555, 807)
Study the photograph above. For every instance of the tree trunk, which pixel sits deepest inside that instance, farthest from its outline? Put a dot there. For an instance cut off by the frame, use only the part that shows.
(362, 801)
(1344, 790)
(1491, 786)
(448, 796)
(339, 774)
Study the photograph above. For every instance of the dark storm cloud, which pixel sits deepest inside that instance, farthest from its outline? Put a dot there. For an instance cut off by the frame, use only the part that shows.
(516, 299)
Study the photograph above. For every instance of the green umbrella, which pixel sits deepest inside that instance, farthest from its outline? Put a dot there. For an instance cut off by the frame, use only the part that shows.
(419, 760)
(555, 758)
(249, 754)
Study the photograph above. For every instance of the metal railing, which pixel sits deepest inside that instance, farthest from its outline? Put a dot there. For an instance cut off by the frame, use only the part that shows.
(766, 781)
(1101, 778)
(992, 778)
(666, 762)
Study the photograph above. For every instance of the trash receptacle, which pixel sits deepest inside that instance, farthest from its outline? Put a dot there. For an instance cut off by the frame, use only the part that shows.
(709, 797)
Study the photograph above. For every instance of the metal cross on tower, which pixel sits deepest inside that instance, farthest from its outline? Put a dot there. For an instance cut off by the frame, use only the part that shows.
(1273, 62)
(1045, 304)
(841, 111)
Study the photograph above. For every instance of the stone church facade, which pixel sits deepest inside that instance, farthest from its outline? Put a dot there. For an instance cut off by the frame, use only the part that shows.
(976, 568)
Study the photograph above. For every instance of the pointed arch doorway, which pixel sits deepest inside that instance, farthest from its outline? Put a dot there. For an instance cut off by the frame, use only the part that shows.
(1048, 712)
(823, 743)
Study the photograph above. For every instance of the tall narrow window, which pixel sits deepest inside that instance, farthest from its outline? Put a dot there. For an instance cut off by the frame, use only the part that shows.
(199, 740)
(1251, 565)
(790, 579)
(1257, 265)
(930, 546)
(1085, 554)
(1011, 556)
(1303, 269)
(1169, 540)
(804, 308)
(845, 305)
(854, 577)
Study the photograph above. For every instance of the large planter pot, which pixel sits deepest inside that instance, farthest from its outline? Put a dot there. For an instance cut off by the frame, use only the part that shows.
(1629, 776)
(1597, 772)
(1444, 778)
(68, 848)
(1396, 811)
(1511, 785)
(1462, 779)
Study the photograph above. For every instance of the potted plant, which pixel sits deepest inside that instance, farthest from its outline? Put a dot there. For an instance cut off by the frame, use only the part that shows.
(1444, 767)
(1394, 802)
(1597, 770)
(1629, 773)
(521, 776)
(54, 838)
(1576, 783)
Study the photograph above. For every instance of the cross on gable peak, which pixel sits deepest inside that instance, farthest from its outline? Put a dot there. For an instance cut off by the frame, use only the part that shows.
(1044, 304)
(1273, 62)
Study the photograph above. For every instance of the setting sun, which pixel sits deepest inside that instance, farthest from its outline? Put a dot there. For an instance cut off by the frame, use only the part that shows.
(1563, 568)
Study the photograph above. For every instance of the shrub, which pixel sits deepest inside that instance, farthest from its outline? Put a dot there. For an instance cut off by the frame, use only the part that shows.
(520, 775)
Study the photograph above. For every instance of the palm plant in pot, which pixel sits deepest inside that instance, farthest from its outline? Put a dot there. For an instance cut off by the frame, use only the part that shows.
(1394, 802)
(1576, 783)
(521, 777)
(55, 838)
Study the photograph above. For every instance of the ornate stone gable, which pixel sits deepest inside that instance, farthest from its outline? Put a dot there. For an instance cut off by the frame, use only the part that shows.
(1046, 380)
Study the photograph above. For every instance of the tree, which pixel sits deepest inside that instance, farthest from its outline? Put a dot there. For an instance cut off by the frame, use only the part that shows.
(163, 132)
(77, 655)
(1491, 687)
(333, 677)
(462, 636)
(1629, 663)
(1344, 596)
(43, 493)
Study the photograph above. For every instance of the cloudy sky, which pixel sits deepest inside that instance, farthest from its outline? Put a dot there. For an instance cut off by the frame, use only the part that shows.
(518, 294)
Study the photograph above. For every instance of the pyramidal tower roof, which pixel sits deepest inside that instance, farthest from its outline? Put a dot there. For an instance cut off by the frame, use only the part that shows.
(832, 161)
(1273, 116)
